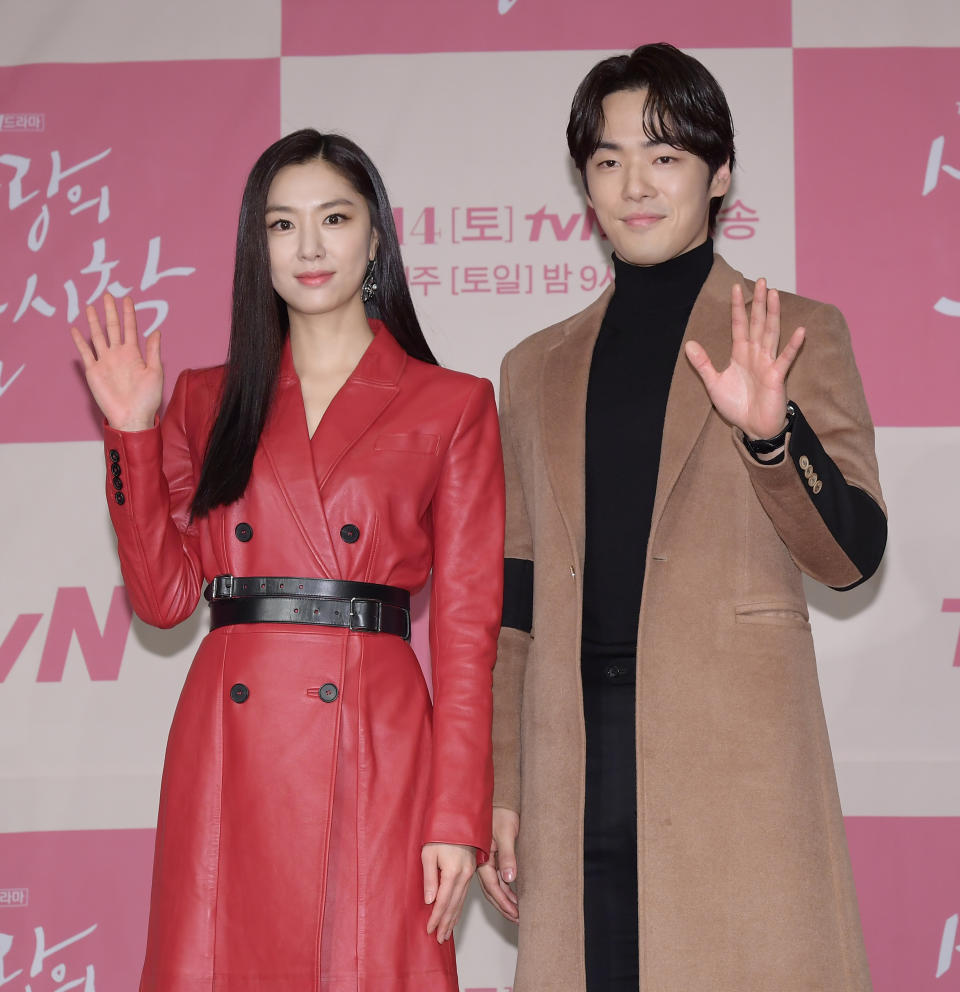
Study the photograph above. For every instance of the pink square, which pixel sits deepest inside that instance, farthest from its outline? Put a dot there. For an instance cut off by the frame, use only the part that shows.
(134, 173)
(372, 27)
(908, 887)
(878, 205)
(88, 890)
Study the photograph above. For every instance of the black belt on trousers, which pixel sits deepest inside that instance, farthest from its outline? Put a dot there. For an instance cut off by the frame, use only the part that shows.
(362, 606)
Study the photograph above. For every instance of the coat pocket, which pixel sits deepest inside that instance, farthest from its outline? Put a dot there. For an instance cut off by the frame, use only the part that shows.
(424, 444)
(776, 613)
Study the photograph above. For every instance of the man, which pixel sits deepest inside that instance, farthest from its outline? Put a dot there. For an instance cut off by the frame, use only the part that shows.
(664, 790)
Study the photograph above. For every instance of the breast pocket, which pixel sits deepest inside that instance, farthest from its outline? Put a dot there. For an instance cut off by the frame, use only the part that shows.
(413, 443)
(774, 613)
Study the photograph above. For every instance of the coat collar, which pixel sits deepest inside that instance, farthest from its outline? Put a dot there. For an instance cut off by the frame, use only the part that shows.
(566, 372)
(291, 452)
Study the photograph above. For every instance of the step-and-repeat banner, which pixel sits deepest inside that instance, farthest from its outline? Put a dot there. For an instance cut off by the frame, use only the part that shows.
(126, 130)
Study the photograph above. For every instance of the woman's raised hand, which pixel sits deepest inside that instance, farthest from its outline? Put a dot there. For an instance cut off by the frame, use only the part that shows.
(126, 384)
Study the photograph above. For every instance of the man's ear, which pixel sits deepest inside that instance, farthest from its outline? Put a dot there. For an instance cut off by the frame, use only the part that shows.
(720, 183)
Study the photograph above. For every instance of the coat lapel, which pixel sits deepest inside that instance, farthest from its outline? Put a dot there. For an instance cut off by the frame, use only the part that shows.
(566, 373)
(563, 391)
(286, 446)
(291, 452)
(688, 404)
(363, 397)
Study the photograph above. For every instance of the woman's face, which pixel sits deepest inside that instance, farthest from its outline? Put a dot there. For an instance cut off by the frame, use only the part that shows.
(319, 237)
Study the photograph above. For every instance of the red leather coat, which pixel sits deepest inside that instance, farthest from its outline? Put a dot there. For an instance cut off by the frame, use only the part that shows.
(290, 828)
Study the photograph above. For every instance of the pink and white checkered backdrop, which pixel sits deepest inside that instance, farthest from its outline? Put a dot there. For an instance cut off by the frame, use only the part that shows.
(126, 130)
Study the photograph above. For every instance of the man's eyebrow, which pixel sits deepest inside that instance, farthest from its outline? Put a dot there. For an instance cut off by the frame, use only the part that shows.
(614, 146)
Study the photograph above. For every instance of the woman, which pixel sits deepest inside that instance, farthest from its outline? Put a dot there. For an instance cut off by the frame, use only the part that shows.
(319, 820)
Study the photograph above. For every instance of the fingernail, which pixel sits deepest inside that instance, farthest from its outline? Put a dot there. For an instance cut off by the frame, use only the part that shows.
(508, 875)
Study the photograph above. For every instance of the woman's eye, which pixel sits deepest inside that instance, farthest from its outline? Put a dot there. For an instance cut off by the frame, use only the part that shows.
(281, 225)
(334, 219)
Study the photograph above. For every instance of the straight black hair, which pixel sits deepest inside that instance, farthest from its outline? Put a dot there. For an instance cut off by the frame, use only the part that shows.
(685, 107)
(259, 324)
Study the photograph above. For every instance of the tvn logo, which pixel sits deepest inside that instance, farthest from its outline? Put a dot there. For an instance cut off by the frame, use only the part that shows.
(22, 122)
(11, 898)
(72, 617)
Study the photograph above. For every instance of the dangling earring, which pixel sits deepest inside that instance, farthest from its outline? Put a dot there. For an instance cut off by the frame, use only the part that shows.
(369, 288)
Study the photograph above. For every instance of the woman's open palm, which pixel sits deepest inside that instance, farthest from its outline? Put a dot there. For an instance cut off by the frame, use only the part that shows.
(126, 383)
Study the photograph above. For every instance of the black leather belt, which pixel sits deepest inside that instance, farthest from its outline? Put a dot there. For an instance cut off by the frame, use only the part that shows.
(362, 606)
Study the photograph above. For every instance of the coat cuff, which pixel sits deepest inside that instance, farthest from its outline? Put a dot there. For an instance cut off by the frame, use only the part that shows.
(835, 531)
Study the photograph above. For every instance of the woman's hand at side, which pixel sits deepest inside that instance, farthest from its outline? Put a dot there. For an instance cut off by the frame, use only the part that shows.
(126, 383)
(447, 870)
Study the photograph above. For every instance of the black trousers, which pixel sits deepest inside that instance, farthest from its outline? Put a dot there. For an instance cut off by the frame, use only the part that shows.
(610, 828)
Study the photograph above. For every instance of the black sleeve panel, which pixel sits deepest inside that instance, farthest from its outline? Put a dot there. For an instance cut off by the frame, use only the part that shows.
(853, 518)
(518, 594)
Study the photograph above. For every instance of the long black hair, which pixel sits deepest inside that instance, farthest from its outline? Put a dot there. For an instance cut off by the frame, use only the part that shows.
(259, 324)
(685, 107)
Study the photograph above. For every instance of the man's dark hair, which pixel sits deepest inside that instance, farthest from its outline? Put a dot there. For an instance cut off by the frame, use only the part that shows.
(685, 107)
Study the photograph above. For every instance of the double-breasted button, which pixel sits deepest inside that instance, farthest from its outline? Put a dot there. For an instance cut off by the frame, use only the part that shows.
(120, 498)
(350, 533)
(114, 468)
(114, 455)
(803, 462)
(243, 531)
(239, 693)
(328, 692)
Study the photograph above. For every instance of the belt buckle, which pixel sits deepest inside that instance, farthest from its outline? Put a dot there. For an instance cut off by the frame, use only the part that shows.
(354, 615)
(221, 587)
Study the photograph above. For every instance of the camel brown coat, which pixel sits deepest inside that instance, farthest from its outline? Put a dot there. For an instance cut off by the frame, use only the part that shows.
(744, 876)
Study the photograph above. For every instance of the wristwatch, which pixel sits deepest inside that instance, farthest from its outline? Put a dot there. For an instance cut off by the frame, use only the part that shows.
(765, 445)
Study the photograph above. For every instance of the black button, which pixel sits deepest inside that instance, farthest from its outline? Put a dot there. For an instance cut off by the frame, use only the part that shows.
(328, 692)
(350, 533)
(120, 498)
(117, 482)
(115, 468)
(613, 671)
(244, 532)
(239, 693)
(114, 455)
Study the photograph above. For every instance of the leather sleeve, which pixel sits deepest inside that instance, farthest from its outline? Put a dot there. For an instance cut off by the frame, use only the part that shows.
(515, 638)
(824, 497)
(150, 510)
(465, 608)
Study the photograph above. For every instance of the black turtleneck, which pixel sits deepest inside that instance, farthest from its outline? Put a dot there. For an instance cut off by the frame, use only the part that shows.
(630, 376)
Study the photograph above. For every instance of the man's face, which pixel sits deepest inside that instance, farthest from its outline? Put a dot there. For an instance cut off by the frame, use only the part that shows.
(652, 200)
